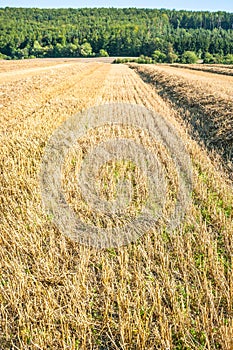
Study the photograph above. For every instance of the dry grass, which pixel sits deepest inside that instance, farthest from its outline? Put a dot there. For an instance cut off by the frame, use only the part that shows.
(166, 291)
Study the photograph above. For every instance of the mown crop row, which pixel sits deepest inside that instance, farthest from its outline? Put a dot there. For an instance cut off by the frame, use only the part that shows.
(203, 105)
(217, 69)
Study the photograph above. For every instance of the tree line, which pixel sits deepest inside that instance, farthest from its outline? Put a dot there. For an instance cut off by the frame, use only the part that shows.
(163, 35)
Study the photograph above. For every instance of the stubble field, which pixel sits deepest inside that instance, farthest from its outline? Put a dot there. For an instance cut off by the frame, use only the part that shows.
(164, 291)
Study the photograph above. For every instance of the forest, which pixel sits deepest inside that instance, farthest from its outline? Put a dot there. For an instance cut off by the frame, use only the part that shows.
(163, 35)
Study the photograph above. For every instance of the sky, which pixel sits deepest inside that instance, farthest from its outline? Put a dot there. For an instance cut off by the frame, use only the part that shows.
(210, 5)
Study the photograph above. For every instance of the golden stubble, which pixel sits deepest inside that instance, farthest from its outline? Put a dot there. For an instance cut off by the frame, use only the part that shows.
(166, 291)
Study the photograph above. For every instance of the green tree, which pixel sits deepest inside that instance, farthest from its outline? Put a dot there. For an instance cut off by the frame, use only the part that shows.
(37, 49)
(103, 53)
(86, 49)
(22, 53)
(59, 50)
(219, 58)
(189, 57)
(172, 57)
(228, 59)
(208, 58)
(71, 50)
(158, 56)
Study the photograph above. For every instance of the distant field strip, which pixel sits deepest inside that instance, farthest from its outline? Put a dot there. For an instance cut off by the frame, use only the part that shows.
(216, 69)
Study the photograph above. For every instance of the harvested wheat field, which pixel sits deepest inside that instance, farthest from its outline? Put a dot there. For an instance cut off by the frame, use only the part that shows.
(167, 289)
